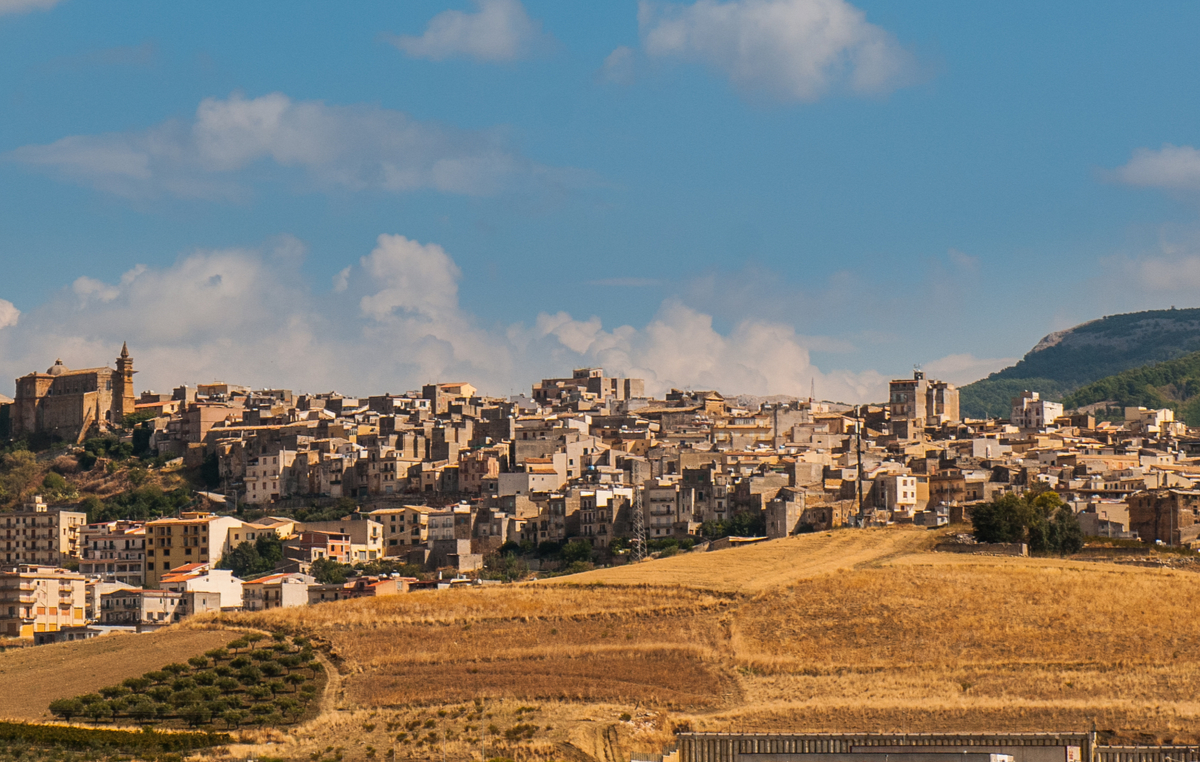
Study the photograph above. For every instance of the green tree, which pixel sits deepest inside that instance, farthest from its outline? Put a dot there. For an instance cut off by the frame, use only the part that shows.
(196, 715)
(330, 571)
(1039, 518)
(210, 471)
(138, 684)
(67, 708)
(577, 551)
(233, 718)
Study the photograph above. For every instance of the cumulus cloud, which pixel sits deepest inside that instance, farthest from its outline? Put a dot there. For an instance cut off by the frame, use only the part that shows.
(1172, 168)
(233, 141)
(498, 30)
(24, 6)
(9, 314)
(790, 49)
(391, 322)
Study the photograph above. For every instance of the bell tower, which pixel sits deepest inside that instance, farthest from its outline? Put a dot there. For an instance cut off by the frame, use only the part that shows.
(123, 398)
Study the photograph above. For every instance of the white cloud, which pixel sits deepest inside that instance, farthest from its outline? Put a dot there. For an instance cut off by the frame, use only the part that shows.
(416, 279)
(1173, 168)
(392, 323)
(790, 49)
(499, 30)
(24, 6)
(235, 140)
(619, 66)
(9, 314)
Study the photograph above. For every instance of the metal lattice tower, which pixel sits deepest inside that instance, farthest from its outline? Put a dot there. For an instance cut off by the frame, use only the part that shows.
(639, 527)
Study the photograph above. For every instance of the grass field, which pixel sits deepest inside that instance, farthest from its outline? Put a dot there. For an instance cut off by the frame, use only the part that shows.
(34, 677)
(847, 631)
(851, 630)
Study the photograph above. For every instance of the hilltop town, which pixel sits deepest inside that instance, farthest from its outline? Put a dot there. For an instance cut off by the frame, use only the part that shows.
(320, 497)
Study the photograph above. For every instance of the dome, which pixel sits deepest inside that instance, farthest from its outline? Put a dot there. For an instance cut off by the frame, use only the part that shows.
(57, 369)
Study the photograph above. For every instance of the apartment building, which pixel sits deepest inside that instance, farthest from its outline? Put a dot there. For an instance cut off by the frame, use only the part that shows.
(367, 542)
(114, 551)
(195, 536)
(41, 535)
(38, 599)
(200, 576)
(275, 591)
(149, 609)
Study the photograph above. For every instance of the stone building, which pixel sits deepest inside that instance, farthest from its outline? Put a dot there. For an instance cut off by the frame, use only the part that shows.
(68, 404)
(1167, 515)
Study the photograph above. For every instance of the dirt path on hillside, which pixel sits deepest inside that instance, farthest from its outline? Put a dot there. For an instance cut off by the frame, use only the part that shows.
(333, 686)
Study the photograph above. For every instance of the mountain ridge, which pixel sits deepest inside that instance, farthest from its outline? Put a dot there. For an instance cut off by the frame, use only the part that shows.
(1067, 360)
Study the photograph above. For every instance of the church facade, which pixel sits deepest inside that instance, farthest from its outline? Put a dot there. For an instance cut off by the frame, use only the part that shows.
(68, 404)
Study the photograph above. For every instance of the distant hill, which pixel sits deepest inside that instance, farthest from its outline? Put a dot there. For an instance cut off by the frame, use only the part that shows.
(1173, 384)
(1068, 360)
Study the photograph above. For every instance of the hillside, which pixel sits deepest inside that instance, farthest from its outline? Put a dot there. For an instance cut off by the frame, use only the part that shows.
(1067, 360)
(851, 630)
(1173, 384)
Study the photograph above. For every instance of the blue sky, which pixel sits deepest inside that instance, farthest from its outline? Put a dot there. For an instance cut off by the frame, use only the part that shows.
(747, 195)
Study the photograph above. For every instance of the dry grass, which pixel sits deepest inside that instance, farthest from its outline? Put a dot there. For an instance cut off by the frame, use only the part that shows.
(768, 565)
(859, 631)
(36, 676)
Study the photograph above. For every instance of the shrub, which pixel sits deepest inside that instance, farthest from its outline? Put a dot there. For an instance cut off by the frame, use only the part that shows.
(139, 684)
(289, 706)
(250, 675)
(233, 718)
(184, 698)
(258, 692)
(195, 715)
(237, 644)
(141, 709)
(67, 708)
(159, 693)
(99, 711)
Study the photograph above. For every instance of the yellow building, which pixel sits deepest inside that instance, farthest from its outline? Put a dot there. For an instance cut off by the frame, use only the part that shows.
(174, 542)
(40, 599)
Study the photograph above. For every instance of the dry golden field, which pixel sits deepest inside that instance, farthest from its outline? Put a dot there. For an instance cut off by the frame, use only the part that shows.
(852, 630)
(36, 676)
